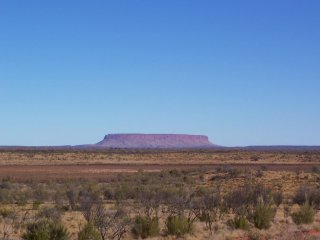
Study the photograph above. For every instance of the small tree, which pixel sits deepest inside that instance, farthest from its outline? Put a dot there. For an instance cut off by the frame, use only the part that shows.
(186, 204)
(110, 224)
(72, 195)
(148, 202)
(119, 224)
(101, 219)
(212, 208)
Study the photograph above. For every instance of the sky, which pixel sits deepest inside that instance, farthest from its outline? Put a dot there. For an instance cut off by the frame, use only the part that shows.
(242, 72)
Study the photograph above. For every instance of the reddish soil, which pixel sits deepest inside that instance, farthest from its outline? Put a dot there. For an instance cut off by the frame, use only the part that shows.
(105, 171)
(313, 233)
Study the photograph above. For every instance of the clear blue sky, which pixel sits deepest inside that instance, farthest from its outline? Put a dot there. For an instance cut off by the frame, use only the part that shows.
(241, 72)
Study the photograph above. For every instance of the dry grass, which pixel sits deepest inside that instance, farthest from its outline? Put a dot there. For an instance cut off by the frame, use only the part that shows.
(215, 170)
(53, 157)
(281, 228)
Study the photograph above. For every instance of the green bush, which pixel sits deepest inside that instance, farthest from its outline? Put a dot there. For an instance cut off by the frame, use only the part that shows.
(146, 227)
(89, 232)
(36, 205)
(178, 225)
(36, 231)
(240, 222)
(4, 212)
(263, 216)
(45, 231)
(305, 215)
(58, 232)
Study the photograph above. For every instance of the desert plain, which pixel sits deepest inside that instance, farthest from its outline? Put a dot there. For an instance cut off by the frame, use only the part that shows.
(225, 193)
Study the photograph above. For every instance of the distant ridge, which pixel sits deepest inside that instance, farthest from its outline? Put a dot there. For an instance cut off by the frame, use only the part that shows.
(163, 142)
(283, 148)
(155, 141)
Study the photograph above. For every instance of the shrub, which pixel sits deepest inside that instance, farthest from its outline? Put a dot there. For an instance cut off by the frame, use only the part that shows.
(4, 212)
(210, 208)
(41, 193)
(49, 213)
(36, 205)
(259, 173)
(58, 232)
(44, 231)
(277, 198)
(125, 191)
(255, 158)
(255, 235)
(6, 183)
(36, 231)
(239, 222)
(111, 224)
(234, 172)
(120, 223)
(5, 196)
(305, 215)
(316, 169)
(21, 197)
(250, 195)
(89, 232)
(146, 227)
(304, 194)
(175, 173)
(72, 195)
(178, 225)
(263, 216)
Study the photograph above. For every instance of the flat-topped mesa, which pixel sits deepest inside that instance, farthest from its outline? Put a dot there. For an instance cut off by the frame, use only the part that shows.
(155, 141)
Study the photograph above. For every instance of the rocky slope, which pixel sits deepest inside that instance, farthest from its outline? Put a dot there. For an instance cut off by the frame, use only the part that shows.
(155, 141)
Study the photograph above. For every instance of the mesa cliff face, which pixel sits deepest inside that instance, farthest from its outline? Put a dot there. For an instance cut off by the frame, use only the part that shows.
(155, 141)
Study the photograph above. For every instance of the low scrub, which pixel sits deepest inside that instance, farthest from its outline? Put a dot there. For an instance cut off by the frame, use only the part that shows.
(52, 214)
(45, 231)
(278, 198)
(262, 216)
(247, 197)
(178, 225)
(89, 232)
(307, 194)
(239, 222)
(146, 227)
(305, 215)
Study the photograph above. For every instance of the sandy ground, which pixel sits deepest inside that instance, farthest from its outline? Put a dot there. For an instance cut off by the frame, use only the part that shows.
(55, 157)
(71, 164)
(105, 171)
